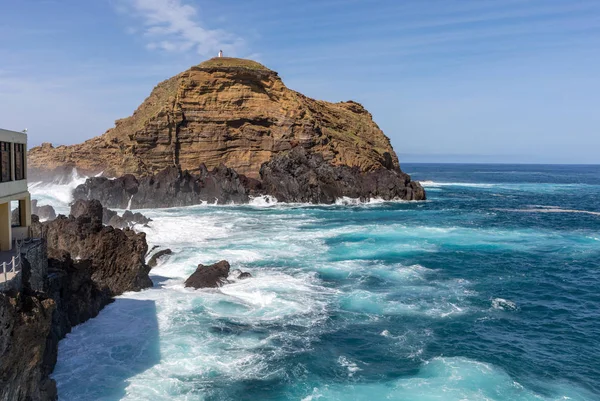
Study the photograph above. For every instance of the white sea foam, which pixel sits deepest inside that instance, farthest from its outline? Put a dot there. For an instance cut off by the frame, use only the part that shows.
(57, 194)
(448, 379)
(263, 201)
(347, 201)
(548, 209)
(503, 304)
(351, 366)
(205, 340)
(435, 184)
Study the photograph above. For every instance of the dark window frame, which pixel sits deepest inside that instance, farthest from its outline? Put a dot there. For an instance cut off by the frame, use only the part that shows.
(20, 173)
(5, 152)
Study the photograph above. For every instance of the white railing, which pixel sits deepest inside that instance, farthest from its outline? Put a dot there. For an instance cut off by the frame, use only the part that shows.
(14, 266)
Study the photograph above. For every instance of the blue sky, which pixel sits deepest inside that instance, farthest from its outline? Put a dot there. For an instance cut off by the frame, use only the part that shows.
(470, 81)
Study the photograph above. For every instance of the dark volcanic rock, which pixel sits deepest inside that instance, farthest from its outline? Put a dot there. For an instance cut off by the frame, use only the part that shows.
(154, 259)
(111, 193)
(87, 264)
(91, 209)
(25, 324)
(294, 176)
(239, 275)
(116, 256)
(127, 220)
(211, 276)
(44, 212)
(299, 176)
(168, 188)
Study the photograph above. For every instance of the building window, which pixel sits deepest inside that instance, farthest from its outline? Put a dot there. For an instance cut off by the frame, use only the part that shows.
(5, 162)
(19, 161)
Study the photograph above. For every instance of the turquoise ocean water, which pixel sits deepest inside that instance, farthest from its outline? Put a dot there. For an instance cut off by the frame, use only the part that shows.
(490, 290)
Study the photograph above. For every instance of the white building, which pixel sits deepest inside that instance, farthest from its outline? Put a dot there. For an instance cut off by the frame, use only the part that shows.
(13, 187)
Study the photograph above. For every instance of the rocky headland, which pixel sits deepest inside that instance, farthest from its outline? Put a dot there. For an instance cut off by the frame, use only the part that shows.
(224, 131)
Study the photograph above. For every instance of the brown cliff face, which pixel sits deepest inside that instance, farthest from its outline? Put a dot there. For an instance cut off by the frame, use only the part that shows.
(225, 110)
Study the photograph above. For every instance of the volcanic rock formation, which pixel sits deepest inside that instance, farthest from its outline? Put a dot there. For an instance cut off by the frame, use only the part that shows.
(211, 276)
(226, 111)
(84, 265)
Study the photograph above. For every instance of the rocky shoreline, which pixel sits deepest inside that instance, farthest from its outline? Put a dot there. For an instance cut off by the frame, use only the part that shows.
(83, 266)
(296, 176)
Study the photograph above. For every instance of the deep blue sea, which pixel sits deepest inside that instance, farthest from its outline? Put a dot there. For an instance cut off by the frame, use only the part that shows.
(489, 290)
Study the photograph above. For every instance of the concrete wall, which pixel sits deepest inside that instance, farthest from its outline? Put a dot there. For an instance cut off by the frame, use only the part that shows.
(12, 136)
(13, 190)
(5, 227)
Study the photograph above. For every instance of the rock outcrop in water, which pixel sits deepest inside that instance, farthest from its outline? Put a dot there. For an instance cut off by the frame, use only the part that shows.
(44, 212)
(153, 262)
(299, 176)
(293, 176)
(211, 276)
(215, 275)
(206, 134)
(169, 188)
(117, 256)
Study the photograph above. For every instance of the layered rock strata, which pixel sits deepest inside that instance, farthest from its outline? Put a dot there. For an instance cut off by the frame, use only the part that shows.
(230, 112)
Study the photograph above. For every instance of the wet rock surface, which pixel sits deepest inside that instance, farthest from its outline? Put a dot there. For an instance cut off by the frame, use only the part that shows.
(294, 176)
(153, 262)
(117, 257)
(300, 176)
(211, 276)
(169, 188)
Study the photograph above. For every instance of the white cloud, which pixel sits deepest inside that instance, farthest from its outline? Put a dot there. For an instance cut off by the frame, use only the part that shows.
(173, 26)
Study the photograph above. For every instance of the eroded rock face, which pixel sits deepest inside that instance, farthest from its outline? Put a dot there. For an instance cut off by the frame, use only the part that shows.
(116, 256)
(300, 176)
(25, 324)
(230, 112)
(107, 262)
(169, 188)
(211, 276)
(293, 176)
(158, 255)
(129, 219)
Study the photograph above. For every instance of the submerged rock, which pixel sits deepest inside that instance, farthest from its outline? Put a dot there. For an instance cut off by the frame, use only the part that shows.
(239, 275)
(211, 276)
(154, 259)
